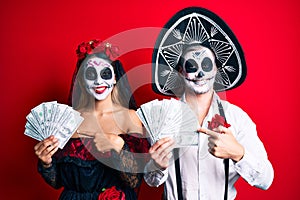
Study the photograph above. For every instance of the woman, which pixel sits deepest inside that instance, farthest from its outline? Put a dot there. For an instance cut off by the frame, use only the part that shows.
(99, 161)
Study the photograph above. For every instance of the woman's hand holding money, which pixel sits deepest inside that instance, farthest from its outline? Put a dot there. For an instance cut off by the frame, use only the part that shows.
(45, 150)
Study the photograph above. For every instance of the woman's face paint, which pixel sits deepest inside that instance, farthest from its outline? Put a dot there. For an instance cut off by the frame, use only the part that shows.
(199, 69)
(99, 78)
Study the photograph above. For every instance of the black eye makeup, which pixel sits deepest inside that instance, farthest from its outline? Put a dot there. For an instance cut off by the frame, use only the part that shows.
(191, 66)
(106, 73)
(207, 64)
(90, 74)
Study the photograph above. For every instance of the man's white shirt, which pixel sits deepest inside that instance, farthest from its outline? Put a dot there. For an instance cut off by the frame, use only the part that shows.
(203, 174)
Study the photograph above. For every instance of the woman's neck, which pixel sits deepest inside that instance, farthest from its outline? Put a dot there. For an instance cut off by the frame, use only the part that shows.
(104, 106)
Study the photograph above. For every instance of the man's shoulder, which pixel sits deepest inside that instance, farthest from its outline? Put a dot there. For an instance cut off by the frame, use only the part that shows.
(230, 107)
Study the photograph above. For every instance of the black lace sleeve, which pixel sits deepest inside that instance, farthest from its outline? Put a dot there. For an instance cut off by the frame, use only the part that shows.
(50, 174)
(132, 159)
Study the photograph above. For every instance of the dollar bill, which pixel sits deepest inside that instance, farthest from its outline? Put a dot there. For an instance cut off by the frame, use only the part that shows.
(169, 118)
(52, 118)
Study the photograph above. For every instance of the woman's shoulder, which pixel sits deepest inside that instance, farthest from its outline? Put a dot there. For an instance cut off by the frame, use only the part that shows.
(134, 122)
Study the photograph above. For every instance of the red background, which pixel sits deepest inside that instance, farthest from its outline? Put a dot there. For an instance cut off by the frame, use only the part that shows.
(38, 41)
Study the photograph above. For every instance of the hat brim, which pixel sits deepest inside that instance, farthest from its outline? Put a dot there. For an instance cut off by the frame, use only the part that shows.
(190, 26)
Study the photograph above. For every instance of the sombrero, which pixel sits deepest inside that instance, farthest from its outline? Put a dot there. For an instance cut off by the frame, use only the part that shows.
(195, 25)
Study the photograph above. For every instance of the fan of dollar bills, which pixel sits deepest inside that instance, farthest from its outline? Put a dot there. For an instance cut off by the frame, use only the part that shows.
(52, 118)
(169, 117)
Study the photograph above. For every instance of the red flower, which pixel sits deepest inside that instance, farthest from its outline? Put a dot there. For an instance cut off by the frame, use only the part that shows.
(111, 194)
(95, 43)
(217, 121)
(86, 48)
(83, 49)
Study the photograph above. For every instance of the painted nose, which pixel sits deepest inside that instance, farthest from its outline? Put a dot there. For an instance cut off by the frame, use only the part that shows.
(97, 81)
(200, 74)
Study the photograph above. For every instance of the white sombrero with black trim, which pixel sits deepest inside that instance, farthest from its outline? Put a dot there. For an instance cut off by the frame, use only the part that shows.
(195, 25)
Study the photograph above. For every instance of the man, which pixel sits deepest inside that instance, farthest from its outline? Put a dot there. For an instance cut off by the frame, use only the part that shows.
(201, 47)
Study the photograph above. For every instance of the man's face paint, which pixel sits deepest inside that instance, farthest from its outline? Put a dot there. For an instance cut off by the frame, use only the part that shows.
(99, 78)
(199, 69)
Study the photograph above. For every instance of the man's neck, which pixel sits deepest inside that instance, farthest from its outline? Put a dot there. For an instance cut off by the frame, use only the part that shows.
(200, 103)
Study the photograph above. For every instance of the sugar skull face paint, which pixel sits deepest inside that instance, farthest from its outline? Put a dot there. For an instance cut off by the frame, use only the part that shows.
(199, 69)
(99, 77)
